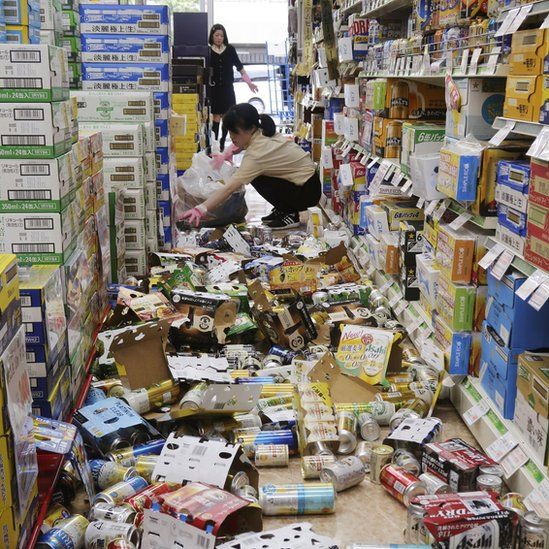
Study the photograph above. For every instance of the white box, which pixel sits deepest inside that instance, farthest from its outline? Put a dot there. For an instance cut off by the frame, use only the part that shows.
(377, 220)
(533, 427)
(136, 262)
(427, 277)
(135, 234)
(50, 15)
(120, 139)
(150, 195)
(39, 185)
(134, 204)
(111, 106)
(152, 245)
(127, 172)
(151, 226)
(511, 197)
(150, 166)
(511, 239)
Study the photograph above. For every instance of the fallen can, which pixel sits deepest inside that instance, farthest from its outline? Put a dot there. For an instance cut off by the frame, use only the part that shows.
(364, 453)
(416, 532)
(237, 481)
(401, 484)
(369, 427)
(121, 490)
(382, 412)
(283, 436)
(107, 473)
(297, 499)
(400, 415)
(434, 485)
(128, 456)
(272, 455)
(495, 469)
(247, 492)
(69, 532)
(534, 531)
(515, 502)
(407, 460)
(344, 473)
(312, 465)
(286, 355)
(121, 543)
(194, 397)
(490, 483)
(346, 428)
(144, 466)
(381, 455)
(94, 395)
(56, 512)
(146, 497)
(114, 513)
(101, 532)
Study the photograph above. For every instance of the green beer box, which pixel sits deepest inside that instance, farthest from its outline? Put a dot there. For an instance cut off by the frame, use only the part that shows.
(419, 139)
(35, 130)
(51, 37)
(33, 73)
(128, 172)
(36, 185)
(456, 304)
(73, 46)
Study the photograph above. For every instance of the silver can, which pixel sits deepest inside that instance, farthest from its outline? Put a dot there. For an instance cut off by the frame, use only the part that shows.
(408, 461)
(114, 513)
(416, 533)
(490, 483)
(364, 453)
(495, 469)
(272, 455)
(194, 397)
(67, 532)
(346, 428)
(247, 492)
(345, 473)
(534, 531)
(238, 480)
(434, 485)
(248, 420)
(100, 533)
(121, 490)
(369, 427)
(400, 415)
(312, 465)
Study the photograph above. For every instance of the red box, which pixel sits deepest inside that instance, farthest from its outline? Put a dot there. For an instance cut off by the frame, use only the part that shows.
(537, 252)
(538, 222)
(357, 170)
(538, 192)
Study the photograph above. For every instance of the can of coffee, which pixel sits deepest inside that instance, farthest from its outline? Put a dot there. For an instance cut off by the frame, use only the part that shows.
(344, 473)
(364, 453)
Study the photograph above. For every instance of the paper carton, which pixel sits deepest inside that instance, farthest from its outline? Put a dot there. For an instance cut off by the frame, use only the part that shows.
(113, 19)
(528, 51)
(523, 97)
(419, 139)
(109, 48)
(120, 139)
(454, 253)
(538, 222)
(101, 106)
(131, 77)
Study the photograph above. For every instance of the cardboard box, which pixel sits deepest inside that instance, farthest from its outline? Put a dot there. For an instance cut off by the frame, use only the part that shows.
(161, 105)
(457, 173)
(419, 139)
(537, 252)
(112, 19)
(511, 239)
(22, 34)
(512, 219)
(50, 14)
(43, 373)
(503, 359)
(455, 303)
(33, 73)
(56, 403)
(37, 130)
(163, 187)
(456, 346)
(132, 77)
(427, 276)
(136, 262)
(135, 234)
(528, 51)
(538, 222)
(454, 253)
(533, 381)
(22, 12)
(120, 139)
(512, 198)
(127, 172)
(377, 220)
(533, 426)
(10, 305)
(523, 97)
(501, 392)
(109, 48)
(401, 211)
(134, 204)
(539, 183)
(387, 137)
(101, 106)
(544, 109)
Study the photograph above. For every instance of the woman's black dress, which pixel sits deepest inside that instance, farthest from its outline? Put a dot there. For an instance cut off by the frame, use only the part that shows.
(221, 87)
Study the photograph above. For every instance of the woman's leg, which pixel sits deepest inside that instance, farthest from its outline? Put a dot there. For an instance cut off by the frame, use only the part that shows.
(216, 119)
(287, 197)
(224, 132)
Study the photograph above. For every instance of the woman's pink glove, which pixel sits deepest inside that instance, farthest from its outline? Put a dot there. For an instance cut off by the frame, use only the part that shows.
(218, 159)
(195, 215)
(251, 85)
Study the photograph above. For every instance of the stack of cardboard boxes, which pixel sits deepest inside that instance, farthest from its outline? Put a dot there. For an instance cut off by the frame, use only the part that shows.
(3, 35)
(51, 31)
(71, 41)
(536, 248)
(22, 21)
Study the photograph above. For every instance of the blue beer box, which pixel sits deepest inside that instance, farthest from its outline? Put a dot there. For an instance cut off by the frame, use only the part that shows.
(137, 48)
(115, 19)
(514, 174)
(166, 235)
(161, 105)
(165, 209)
(163, 187)
(512, 219)
(42, 386)
(131, 77)
(22, 12)
(162, 161)
(161, 133)
(501, 392)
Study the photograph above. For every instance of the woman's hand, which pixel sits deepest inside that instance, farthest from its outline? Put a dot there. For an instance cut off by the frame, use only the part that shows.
(248, 80)
(227, 155)
(195, 215)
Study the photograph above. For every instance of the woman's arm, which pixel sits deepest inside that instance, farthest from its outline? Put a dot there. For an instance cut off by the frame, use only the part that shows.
(253, 87)
(221, 195)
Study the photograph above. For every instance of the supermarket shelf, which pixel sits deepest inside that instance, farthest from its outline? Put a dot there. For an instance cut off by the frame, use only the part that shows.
(351, 7)
(385, 8)
(519, 263)
(479, 221)
(538, 8)
(492, 426)
(531, 129)
(45, 502)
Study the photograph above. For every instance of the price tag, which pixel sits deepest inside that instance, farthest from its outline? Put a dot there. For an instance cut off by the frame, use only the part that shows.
(352, 133)
(397, 178)
(386, 286)
(431, 207)
(473, 414)
(346, 175)
(364, 159)
(347, 149)
(513, 461)
(540, 296)
(420, 203)
(415, 324)
(437, 215)
(502, 264)
(540, 146)
(501, 446)
(406, 186)
(351, 95)
(492, 60)
(501, 135)
(519, 19)
(373, 161)
(394, 300)
(464, 61)
(416, 64)
(390, 172)
(509, 18)
(460, 220)
(339, 123)
(327, 158)
(538, 499)
(474, 60)
(533, 281)
(491, 255)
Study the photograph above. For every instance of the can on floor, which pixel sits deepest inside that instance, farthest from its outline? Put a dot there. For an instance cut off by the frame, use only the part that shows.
(344, 473)
(312, 465)
(101, 532)
(534, 531)
(401, 484)
(346, 428)
(272, 455)
(364, 453)
(118, 492)
(247, 492)
(145, 498)
(248, 420)
(128, 456)
(121, 543)
(69, 532)
(515, 502)
(434, 485)
(315, 498)
(194, 397)
(285, 354)
(490, 483)
(114, 513)
(381, 455)
(144, 465)
(381, 411)
(415, 533)
(56, 512)
(400, 415)
(407, 460)
(495, 469)
(369, 427)
(236, 481)
(107, 473)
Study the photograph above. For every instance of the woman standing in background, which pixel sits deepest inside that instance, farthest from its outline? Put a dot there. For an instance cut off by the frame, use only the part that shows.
(223, 58)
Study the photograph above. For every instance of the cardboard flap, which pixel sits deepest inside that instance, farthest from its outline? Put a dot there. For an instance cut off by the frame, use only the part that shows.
(258, 295)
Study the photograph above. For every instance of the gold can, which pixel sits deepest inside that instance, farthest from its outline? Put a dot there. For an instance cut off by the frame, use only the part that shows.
(144, 465)
(381, 455)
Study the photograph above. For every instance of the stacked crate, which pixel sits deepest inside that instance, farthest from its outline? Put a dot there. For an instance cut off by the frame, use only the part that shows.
(51, 30)
(72, 41)
(22, 21)
(127, 49)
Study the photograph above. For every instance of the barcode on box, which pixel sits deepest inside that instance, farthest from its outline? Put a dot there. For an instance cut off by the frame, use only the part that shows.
(131, 239)
(30, 356)
(149, 81)
(29, 195)
(151, 16)
(25, 56)
(202, 540)
(26, 301)
(135, 111)
(35, 83)
(33, 248)
(35, 169)
(200, 450)
(22, 140)
(121, 146)
(28, 114)
(38, 223)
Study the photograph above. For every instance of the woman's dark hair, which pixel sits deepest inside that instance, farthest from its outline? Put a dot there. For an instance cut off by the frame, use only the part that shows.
(218, 27)
(245, 117)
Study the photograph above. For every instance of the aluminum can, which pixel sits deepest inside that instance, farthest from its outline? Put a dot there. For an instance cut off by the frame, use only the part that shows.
(152, 397)
(416, 532)
(146, 497)
(382, 412)
(401, 484)
(144, 465)
(315, 498)
(121, 490)
(247, 492)
(263, 403)
(193, 398)
(285, 354)
(114, 513)
(312, 465)
(121, 543)
(407, 460)
(320, 297)
(490, 483)
(381, 456)
(344, 473)
(515, 502)
(495, 469)
(128, 456)
(67, 533)
(364, 453)
(56, 512)
(248, 420)
(252, 363)
(369, 427)
(106, 384)
(346, 428)
(283, 436)
(534, 532)
(400, 415)
(107, 473)
(101, 532)
(236, 481)
(272, 455)
(94, 395)
(117, 391)
(434, 485)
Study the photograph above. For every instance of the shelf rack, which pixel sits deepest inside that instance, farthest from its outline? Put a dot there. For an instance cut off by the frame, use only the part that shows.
(385, 8)
(538, 8)
(530, 129)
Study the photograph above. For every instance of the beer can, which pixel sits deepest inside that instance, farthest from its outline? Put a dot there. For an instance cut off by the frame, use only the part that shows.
(144, 465)
(434, 485)
(272, 455)
(364, 453)
(369, 427)
(346, 428)
(297, 499)
(117, 391)
(107, 473)
(495, 469)
(320, 297)
(194, 397)
(401, 484)
(121, 490)
(407, 460)
(515, 502)
(128, 456)
(415, 533)
(344, 473)
(534, 531)
(100, 533)
(382, 412)
(312, 465)
(400, 415)
(121, 543)
(236, 481)
(246, 431)
(248, 420)
(56, 512)
(247, 492)
(106, 384)
(264, 403)
(381, 455)
(69, 532)
(145, 498)
(282, 436)
(94, 395)
(251, 363)
(285, 354)
(490, 483)
(114, 513)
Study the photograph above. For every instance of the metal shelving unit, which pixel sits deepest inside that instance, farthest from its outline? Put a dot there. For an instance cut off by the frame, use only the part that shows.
(521, 127)
(385, 8)
(482, 222)
(538, 8)
(519, 263)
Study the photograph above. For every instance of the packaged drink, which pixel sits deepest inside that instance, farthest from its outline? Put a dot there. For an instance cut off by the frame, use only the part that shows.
(297, 499)
(312, 465)
(344, 473)
(247, 492)
(369, 427)
(407, 460)
(381, 456)
(107, 473)
(56, 512)
(193, 398)
(490, 483)
(415, 529)
(364, 453)
(401, 484)
(144, 465)
(534, 531)
(128, 456)
(434, 485)
(346, 428)
(69, 532)
(382, 412)
(101, 532)
(113, 513)
(118, 492)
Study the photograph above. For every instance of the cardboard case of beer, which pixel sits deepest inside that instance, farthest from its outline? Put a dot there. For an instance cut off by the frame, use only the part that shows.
(22, 12)
(523, 97)
(131, 77)
(419, 139)
(110, 48)
(127, 171)
(528, 51)
(120, 139)
(104, 106)
(10, 304)
(113, 19)
(22, 34)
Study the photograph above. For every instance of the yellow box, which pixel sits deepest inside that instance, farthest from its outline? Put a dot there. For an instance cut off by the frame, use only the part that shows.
(8, 486)
(387, 137)
(528, 51)
(185, 98)
(523, 97)
(430, 232)
(528, 40)
(9, 528)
